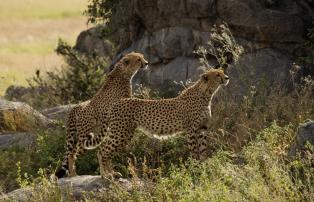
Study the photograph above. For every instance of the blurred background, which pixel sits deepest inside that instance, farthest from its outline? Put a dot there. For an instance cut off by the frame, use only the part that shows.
(29, 32)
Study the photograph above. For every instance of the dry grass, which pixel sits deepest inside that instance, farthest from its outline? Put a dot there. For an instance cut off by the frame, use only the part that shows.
(29, 33)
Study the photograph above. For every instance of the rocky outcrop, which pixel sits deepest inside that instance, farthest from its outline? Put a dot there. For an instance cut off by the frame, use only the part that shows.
(305, 135)
(168, 32)
(18, 116)
(79, 186)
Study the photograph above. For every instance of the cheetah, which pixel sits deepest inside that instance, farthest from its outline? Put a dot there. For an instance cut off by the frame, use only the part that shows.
(86, 116)
(189, 113)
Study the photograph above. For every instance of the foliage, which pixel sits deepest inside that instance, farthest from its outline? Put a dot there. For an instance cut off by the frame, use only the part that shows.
(221, 46)
(77, 81)
(101, 10)
(119, 19)
(262, 171)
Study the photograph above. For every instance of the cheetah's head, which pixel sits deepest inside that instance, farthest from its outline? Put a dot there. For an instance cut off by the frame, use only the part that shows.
(131, 62)
(214, 78)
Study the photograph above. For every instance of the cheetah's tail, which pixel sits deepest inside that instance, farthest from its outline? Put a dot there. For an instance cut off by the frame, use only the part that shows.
(93, 141)
(63, 170)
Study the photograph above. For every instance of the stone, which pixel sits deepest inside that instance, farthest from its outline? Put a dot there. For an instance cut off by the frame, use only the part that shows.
(200, 8)
(58, 112)
(264, 66)
(80, 186)
(19, 195)
(22, 140)
(91, 41)
(304, 135)
(18, 116)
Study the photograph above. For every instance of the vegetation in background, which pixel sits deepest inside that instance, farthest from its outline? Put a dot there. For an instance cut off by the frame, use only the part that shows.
(100, 11)
(29, 32)
(77, 81)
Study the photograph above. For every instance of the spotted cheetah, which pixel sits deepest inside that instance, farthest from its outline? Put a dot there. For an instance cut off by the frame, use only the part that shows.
(86, 116)
(189, 113)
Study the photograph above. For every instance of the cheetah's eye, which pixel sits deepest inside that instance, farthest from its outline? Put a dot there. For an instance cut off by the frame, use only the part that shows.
(126, 61)
(217, 74)
(139, 59)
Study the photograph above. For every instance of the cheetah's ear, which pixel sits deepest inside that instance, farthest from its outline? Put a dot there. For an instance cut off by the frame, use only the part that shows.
(204, 77)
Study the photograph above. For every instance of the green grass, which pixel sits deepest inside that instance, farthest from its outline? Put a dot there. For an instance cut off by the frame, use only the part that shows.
(42, 47)
(40, 9)
(29, 34)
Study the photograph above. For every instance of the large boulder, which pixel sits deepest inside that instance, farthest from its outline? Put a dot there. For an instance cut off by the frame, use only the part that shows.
(18, 116)
(264, 66)
(168, 33)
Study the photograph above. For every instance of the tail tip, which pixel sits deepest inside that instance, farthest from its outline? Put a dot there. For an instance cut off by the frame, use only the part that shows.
(61, 172)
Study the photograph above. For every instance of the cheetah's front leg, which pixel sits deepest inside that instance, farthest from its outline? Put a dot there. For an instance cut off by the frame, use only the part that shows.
(192, 137)
(116, 141)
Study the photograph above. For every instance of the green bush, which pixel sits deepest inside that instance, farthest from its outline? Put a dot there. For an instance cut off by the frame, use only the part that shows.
(78, 80)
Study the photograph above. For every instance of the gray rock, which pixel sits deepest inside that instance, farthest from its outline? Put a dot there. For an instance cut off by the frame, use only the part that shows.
(23, 140)
(169, 43)
(266, 66)
(18, 116)
(91, 41)
(249, 19)
(176, 70)
(19, 195)
(58, 112)
(304, 135)
(79, 186)
(200, 8)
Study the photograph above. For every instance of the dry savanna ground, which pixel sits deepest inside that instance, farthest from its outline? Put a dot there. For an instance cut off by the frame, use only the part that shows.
(29, 32)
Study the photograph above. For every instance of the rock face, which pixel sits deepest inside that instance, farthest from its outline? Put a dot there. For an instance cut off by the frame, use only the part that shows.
(168, 32)
(18, 116)
(305, 135)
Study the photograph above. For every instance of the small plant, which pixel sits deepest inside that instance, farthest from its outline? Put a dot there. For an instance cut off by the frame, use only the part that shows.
(221, 46)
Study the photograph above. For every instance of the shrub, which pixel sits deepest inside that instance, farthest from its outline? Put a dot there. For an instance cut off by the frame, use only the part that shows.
(78, 80)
